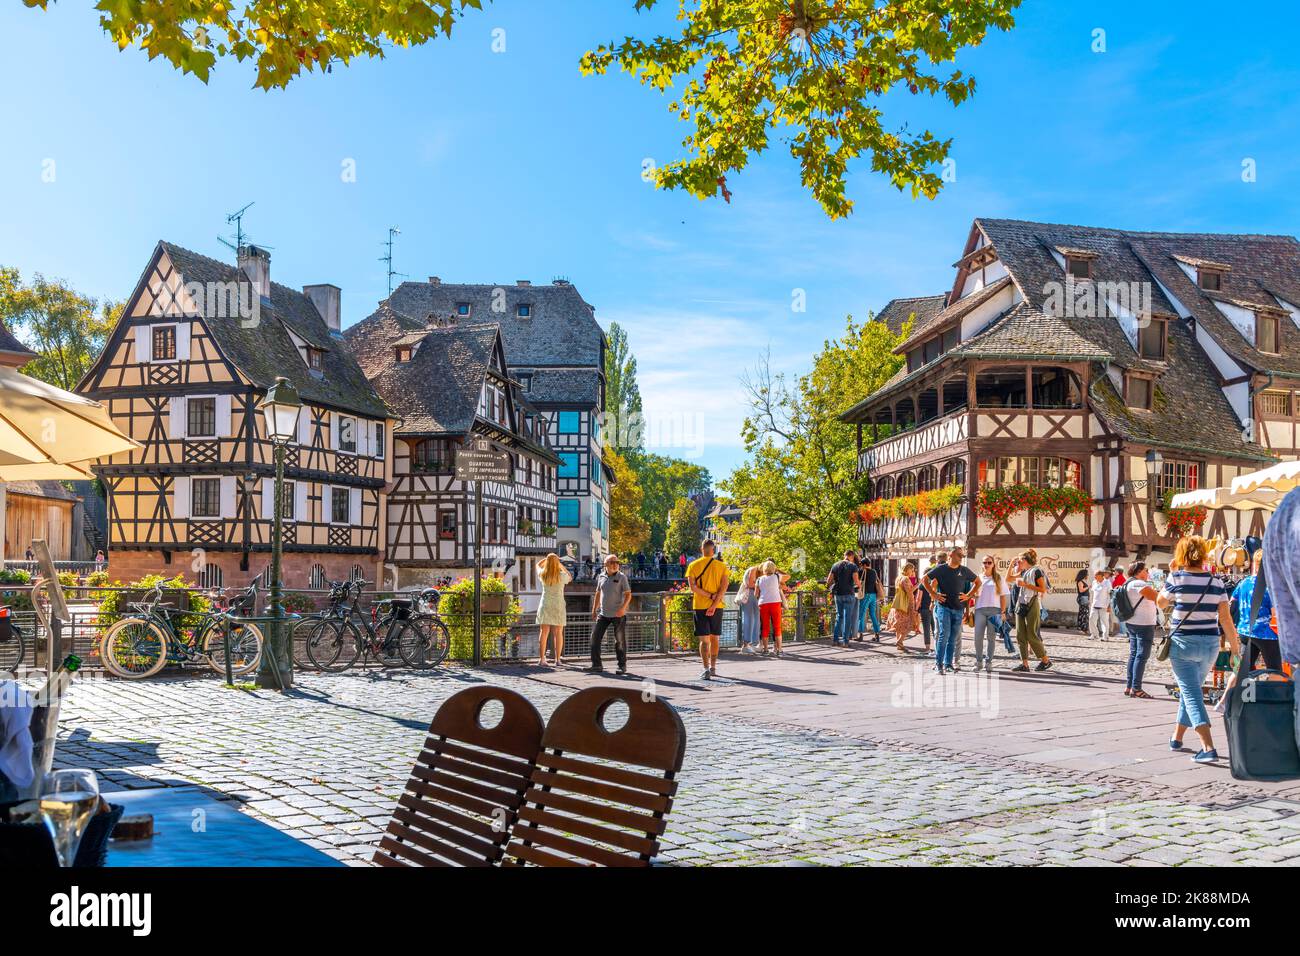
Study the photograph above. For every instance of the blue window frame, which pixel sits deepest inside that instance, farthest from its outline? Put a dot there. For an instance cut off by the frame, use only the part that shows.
(569, 466)
(570, 423)
(569, 514)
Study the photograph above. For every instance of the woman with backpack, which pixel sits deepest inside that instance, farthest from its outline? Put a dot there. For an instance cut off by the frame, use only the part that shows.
(1138, 601)
(1031, 585)
(1200, 608)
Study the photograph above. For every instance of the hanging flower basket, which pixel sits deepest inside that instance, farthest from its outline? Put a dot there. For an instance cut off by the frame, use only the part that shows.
(1180, 522)
(925, 503)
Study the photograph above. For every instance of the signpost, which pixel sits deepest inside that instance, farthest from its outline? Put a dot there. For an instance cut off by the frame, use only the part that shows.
(478, 462)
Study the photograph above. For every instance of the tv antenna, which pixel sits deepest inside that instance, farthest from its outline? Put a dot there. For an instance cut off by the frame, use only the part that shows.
(236, 219)
(387, 258)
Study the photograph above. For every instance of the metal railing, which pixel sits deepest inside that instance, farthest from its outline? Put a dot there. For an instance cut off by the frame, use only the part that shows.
(656, 623)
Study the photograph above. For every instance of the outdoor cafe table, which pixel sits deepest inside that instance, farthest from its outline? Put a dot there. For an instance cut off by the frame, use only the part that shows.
(219, 836)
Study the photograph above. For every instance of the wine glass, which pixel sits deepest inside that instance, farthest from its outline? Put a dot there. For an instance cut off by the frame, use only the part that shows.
(69, 798)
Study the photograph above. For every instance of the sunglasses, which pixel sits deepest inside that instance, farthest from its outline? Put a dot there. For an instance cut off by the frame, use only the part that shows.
(988, 564)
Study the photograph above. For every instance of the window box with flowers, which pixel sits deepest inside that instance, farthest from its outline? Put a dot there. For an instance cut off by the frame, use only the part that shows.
(999, 504)
(925, 503)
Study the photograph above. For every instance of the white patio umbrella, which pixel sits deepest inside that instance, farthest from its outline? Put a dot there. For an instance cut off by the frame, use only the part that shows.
(1279, 478)
(1221, 499)
(48, 433)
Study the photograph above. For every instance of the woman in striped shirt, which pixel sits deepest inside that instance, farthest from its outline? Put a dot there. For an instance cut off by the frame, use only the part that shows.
(1200, 608)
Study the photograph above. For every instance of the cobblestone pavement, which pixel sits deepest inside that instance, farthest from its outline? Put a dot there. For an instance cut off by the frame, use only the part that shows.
(328, 763)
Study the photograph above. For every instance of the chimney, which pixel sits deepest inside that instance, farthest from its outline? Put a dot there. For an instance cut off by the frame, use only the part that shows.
(524, 282)
(327, 298)
(434, 280)
(255, 263)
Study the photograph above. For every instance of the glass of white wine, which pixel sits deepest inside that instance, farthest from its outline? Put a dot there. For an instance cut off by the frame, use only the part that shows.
(69, 798)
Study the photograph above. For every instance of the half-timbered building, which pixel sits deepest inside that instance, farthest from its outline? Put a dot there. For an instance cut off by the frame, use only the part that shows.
(1061, 357)
(449, 383)
(183, 371)
(555, 350)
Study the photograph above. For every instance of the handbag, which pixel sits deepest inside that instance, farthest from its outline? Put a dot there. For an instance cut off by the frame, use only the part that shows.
(1260, 717)
(1167, 639)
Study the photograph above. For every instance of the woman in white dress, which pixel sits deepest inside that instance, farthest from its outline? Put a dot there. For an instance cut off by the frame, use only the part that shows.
(552, 612)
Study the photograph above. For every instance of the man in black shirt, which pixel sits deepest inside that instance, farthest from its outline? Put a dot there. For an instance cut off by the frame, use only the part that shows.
(951, 586)
(843, 584)
(870, 597)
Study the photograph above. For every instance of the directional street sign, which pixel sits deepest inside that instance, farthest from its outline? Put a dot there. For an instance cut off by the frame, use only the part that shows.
(483, 461)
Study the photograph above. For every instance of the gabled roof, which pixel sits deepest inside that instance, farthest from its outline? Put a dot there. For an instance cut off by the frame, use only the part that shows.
(41, 489)
(438, 391)
(561, 329)
(11, 346)
(1024, 333)
(264, 352)
(897, 311)
(952, 314)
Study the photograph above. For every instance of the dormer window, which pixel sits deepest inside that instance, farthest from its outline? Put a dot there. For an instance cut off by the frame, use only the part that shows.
(1267, 333)
(462, 309)
(315, 359)
(403, 354)
(525, 312)
(1078, 267)
(1211, 279)
(1139, 391)
(164, 343)
(1153, 339)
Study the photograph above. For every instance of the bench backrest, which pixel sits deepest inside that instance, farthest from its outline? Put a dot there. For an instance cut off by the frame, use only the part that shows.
(591, 801)
(467, 784)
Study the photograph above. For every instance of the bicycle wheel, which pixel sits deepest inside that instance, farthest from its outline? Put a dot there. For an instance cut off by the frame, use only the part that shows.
(333, 646)
(301, 634)
(12, 652)
(246, 643)
(424, 642)
(134, 648)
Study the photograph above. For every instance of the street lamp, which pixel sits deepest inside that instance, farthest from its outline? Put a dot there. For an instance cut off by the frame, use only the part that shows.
(280, 407)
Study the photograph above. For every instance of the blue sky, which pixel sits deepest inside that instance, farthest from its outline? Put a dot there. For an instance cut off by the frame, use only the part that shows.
(506, 166)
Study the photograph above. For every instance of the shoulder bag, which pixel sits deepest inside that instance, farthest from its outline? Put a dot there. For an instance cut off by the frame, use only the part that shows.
(1167, 640)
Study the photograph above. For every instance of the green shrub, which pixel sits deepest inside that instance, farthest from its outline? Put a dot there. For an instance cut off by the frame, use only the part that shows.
(681, 619)
(457, 608)
(112, 608)
(17, 600)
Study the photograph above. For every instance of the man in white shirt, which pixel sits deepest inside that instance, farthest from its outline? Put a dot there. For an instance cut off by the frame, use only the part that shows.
(1099, 610)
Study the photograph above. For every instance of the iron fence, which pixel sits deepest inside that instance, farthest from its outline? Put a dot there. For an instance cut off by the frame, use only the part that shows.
(656, 623)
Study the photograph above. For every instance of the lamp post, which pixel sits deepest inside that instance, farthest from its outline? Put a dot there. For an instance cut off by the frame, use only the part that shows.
(280, 408)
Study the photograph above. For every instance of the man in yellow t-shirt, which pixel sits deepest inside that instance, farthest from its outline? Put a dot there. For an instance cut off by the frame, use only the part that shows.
(708, 578)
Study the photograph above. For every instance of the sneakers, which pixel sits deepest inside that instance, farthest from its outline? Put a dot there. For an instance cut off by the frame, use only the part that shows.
(621, 671)
(705, 674)
(1020, 669)
(1175, 745)
(747, 649)
(1206, 756)
(1044, 666)
(593, 670)
(713, 672)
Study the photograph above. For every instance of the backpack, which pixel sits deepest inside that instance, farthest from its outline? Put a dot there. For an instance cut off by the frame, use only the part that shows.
(1121, 604)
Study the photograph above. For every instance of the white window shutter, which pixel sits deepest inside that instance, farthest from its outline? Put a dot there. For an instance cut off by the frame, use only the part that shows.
(183, 341)
(300, 501)
(367, 437)
(177, 423)
(334, 430)
(268, 498)
(304, 425)
(144, 344)
(223, 416)
(181, 498)
(228, 496)
(354, 506)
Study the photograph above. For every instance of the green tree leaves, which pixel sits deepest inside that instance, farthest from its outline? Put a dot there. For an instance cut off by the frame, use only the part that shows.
(815, 70)
(800, 482)
(65, 328)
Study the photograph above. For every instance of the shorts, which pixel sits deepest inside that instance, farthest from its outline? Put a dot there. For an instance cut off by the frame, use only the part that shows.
(707, 625)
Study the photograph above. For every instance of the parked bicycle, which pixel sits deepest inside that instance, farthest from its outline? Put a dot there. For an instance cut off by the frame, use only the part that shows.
(145, 642)
(13, 645)
(403, 630)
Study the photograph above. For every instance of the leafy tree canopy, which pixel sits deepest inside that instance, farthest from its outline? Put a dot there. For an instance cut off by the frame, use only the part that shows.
(683, 528)
(800, 480)
(65, 328)
(737, 71)
(623, 426)
(664, 481)
(629, 532)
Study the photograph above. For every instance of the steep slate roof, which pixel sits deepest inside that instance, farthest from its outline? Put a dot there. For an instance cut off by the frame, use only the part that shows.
(952, 313)
(897, 311)
(561, 331)
(554, 386)
(438, 391)
(266, 352)
(1023, 333)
